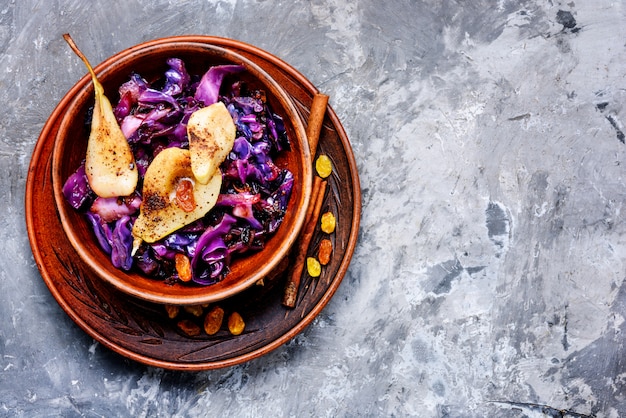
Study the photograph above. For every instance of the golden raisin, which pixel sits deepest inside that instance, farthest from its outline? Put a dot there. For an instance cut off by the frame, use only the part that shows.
(324, 252)
(235, 323)
(183, 267)
(213, 320)
(195, 310)
(189, 327)
(172, 311)
(313, 267)
(328, 222)
(323, 166)
(184, 195)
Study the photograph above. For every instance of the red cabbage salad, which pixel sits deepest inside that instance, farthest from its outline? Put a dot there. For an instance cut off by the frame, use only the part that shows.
(254, 193)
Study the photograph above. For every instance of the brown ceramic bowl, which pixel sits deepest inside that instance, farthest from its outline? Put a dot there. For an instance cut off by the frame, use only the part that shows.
(149, 60)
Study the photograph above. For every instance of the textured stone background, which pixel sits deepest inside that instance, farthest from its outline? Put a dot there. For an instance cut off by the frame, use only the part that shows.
(489, 279)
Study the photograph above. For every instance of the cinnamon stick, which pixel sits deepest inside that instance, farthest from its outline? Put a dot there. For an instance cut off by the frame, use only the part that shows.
(313, 131)
(316, 119)
(317, 186)
(293, 281)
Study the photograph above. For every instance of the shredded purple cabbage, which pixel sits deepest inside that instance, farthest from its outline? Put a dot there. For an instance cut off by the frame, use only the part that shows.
(76, 189)
(122, 243)
(112, 208)
(254, 195)
(101, 230)
(209, 87)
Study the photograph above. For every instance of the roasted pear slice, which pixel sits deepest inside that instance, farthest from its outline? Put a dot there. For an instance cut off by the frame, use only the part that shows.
(109, 163)
(162, 210)
(211, 133)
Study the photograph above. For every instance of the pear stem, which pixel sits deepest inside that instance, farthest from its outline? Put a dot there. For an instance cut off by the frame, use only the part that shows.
(78, 52)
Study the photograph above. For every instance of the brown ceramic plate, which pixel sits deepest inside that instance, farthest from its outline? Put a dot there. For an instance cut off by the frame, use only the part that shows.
(141, 330)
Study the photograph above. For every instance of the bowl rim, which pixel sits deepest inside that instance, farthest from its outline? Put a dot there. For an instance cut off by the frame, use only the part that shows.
(84, 86)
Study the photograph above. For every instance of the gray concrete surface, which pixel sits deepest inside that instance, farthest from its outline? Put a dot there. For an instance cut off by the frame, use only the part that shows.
(489, 279)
